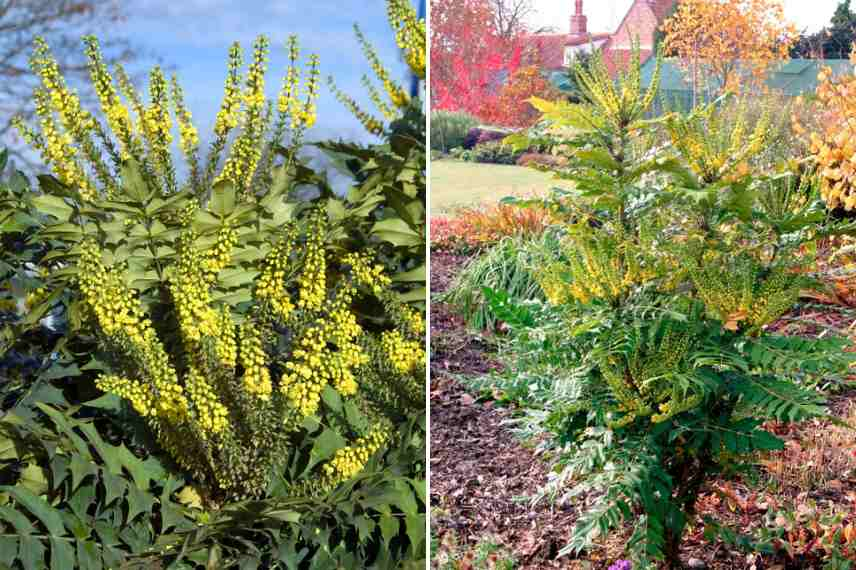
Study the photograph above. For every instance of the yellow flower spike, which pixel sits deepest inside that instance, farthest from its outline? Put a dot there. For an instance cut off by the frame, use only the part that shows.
(227, 347)
(227, 116)
(409, 34)
(313, 280)
(189, 285)
(58, 150)
(256, 379)
(158, 126)
(210, 414)
(246, 150)
(122, 320)
(270, 285)
(351, 460)
(405, 356)
(372, 124)
(118, 116)
(397, 95)
(137, 394)
(188, 135)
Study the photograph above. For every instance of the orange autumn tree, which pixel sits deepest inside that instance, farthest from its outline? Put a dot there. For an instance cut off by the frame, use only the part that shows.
(512, 108)
(833, 137)
(730, 43)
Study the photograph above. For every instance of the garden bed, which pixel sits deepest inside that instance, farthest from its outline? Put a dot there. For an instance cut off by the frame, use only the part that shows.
(482, 477)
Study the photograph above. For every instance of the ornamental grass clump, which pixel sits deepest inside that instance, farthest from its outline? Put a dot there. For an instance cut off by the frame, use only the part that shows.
(237, 323)
(667, 292)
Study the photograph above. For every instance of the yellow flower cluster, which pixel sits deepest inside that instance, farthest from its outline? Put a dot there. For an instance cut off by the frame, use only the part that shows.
(409, 34)
(188, 136)
(414, 320)
(227, 116)
(327, 353)
(118, 116)
(246, 150)
(217, 258)
(296, 104)
(227, 346)
(158, 123)
(737, 292)
(270, 286)
(77, 122)
(210, 414)
(397, 95)
(313, 279)
(289, 93)
(366, 274)
(314, 364)
(374, 95)
(57, 148)
(140, 396)
(350, 460)
(717, 143)
(190, 289)
(371, 124)
(123, 321)
(642, 383)
(256, 374)
(404, 355)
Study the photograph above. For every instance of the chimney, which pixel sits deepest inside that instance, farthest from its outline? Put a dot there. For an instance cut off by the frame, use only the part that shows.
(579, 21)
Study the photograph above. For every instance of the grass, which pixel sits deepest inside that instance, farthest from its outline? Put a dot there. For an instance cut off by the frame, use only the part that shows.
(456, 183)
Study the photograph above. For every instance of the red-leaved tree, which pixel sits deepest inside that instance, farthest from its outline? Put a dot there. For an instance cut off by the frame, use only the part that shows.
(470, 59)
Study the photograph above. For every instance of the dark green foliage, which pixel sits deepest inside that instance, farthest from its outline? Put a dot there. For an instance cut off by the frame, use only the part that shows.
(385, 209)
(666, 372)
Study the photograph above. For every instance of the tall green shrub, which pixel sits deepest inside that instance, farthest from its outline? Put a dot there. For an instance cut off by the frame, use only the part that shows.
(449, 129)
(667, 294)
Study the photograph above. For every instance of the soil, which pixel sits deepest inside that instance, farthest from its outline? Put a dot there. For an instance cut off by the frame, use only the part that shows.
(483, 478)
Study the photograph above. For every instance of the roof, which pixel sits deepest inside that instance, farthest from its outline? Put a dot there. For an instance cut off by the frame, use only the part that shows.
(551, 47)
(795, 77)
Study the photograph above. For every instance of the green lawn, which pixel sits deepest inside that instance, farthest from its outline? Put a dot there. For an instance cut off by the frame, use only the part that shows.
(456, 183)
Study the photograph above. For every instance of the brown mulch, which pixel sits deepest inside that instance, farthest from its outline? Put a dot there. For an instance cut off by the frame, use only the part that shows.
(482, 478)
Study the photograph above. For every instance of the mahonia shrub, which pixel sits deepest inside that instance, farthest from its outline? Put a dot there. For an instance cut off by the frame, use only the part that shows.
(240, 324)
(667, 292)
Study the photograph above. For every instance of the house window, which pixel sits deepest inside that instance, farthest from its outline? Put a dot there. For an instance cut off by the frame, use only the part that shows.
(570, 54)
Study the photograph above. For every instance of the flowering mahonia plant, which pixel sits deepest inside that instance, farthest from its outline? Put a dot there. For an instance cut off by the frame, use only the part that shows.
(235, 321)
(666, 290)
(227, 401)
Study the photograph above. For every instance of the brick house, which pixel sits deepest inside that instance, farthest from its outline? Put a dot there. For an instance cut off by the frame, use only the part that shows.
(557, 51)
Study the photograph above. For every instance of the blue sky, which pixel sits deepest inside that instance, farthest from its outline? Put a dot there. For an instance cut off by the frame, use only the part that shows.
(193, 37)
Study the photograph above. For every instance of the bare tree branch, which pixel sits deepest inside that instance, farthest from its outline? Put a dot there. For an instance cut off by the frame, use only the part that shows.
(62, 23)
(510, 16)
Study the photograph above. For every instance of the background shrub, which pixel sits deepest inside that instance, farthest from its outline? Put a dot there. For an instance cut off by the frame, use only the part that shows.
(508, 266)
(536, 159)
(449, 129)
(478, 135)
(475, 228)
(495, 152)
